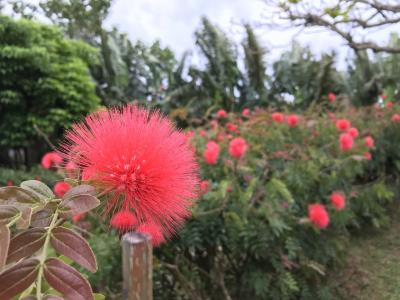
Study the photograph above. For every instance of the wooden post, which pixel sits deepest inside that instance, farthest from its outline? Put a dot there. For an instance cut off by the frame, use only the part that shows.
(137, 266)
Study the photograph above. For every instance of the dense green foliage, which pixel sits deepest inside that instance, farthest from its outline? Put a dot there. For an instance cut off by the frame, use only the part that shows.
(249, 236)
(15, 177)
(44, 81)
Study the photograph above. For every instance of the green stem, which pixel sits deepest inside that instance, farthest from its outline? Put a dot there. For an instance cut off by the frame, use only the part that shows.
(43, 255)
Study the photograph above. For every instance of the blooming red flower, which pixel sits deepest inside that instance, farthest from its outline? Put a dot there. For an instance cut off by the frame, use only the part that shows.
(60, 188)
(368, 156)
(396, 118)
(318, 215)
(124, 220)
(331, 97)
(189, 136)
(222, 114)
(343, 124)
(246, 112)
(51, 159)
(78, 217)
(141, 161)
(369, 141)
(346, 142)
(211, 153)
(231, 127)
(157, 237)
(220, 137)
(389, 104)
(202, 133)
(214, 124)
(353, 132)
(278, 117)
(292, 120)
(70, 166)
(338, 200)
(238, 147)
(204, 186)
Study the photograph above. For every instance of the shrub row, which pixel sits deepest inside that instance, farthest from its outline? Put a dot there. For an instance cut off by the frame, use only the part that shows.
(281, 196)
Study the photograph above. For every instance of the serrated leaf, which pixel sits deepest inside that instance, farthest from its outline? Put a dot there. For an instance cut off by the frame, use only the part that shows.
(8, 213)
(26, 244)
(73, 246)
(77, 205)
(66, 280)
(18, 278)
(42, 191)
(25, 220)
(83, 189)
(4, 242)
(15, 194)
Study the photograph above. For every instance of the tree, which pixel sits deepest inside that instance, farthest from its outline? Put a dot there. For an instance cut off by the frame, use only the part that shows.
(221, 77)
(255, 66)
(352, 20)
(301, 75)
(44, 82)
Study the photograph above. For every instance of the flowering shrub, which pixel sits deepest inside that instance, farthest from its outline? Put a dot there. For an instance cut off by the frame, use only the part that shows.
(279, 195)
(270, 224)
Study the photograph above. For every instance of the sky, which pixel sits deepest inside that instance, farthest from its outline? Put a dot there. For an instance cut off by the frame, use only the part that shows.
(173, 22)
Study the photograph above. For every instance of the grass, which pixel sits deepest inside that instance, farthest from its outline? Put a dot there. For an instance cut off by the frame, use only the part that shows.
(372, 271)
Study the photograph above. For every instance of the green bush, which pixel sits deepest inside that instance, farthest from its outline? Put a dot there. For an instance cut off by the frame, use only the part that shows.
(44, 82)
(15, 177)
(250, 236)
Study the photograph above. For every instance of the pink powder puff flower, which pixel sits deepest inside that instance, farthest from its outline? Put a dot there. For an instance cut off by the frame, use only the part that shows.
(60, 188)
(211, 153)
(141, 160)
(51, 159)
(318, 215)
(346, 142)
(238, 147)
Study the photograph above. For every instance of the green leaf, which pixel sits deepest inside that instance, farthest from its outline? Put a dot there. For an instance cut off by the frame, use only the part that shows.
(26, 243)
(66, 280)
(73, 246)
(99, 297)
(77, 205)
(42, 191)
(5, 242)
(280, 187)
(18, 278)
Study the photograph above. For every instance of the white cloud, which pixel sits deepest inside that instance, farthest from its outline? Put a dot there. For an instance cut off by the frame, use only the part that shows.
(174, 22)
